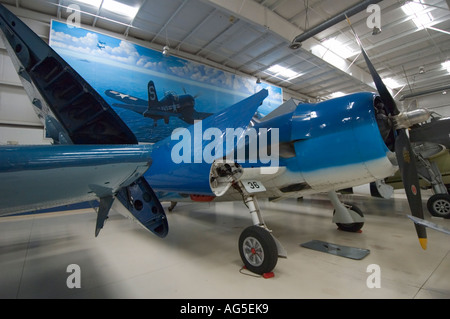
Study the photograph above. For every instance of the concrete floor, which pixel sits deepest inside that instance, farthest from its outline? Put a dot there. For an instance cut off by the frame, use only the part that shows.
(199, 258)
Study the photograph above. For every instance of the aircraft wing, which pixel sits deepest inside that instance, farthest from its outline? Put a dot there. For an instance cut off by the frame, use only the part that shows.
(91, 163)
(201, 115)
(148, 113)
(125, 98)
(132, 107)
(44, 176)
(437, 131)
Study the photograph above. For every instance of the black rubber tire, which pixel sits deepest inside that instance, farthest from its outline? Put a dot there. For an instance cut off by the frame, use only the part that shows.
(258, 250)
(439, 205)
(351, 227)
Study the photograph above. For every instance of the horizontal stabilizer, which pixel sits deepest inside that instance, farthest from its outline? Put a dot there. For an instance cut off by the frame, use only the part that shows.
(58, 92)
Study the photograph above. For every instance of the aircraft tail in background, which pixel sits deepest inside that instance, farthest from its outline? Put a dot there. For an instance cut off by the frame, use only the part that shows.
(152, 96)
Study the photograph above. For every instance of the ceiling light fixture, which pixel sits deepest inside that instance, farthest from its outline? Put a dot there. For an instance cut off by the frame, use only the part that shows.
(120, 8)
(93, 3)
(278, 70)
(339, 48)
(337, 94)
(376, 31)
(166, 51)
(416, 11)
(446, 65)
(439, 30)
(391, 83)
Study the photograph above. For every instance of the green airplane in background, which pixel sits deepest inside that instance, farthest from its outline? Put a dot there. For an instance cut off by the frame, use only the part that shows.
(432, 145)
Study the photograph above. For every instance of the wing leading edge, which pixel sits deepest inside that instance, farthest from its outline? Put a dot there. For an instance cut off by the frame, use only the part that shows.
(37, 177)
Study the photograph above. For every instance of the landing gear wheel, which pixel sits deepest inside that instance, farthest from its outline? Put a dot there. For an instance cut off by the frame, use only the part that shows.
(258, 250)
(351, 227)
(439, 205)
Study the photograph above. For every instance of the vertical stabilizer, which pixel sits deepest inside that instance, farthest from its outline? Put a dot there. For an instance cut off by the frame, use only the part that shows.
(152, 96)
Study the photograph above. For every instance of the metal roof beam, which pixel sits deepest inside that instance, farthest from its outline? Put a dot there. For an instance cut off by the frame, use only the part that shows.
(257, 14)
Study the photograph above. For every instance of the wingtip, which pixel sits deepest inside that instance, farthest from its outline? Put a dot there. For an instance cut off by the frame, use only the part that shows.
(423, 243)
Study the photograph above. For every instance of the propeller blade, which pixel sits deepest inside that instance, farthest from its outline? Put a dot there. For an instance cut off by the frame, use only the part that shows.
(385, 95)
(407, 163)
(403, 150)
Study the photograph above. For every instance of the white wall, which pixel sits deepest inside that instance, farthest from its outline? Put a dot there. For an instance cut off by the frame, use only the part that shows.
(19, 123)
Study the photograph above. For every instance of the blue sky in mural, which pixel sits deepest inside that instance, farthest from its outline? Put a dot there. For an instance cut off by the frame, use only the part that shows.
(109, 63)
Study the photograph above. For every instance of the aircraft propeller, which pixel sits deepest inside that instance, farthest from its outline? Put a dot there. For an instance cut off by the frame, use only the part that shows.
(405, 156)
(195, 96)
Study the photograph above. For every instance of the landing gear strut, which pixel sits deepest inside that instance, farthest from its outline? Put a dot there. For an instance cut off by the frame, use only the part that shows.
(439, 204)
(346, 216)
(258, 248)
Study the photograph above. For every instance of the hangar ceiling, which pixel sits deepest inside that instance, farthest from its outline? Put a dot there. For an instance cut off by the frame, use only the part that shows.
(250, 37)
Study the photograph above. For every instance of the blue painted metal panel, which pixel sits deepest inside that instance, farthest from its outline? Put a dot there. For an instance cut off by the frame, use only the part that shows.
(41, 157)
(193, 176)
(37, 177)
(337, 132)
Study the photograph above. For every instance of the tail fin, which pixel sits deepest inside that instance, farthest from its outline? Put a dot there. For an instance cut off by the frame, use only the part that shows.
(152, 96)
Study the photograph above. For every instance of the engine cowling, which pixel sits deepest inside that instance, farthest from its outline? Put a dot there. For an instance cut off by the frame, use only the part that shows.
(339, 142)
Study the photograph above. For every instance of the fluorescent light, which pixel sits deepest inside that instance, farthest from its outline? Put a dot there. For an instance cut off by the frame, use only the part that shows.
(337, 47)
(329, 56)
(440, 30)
(446, 65)
(416, 11)
(120, 8)
(391, 83)
(279, 70)
(94, 3)
(337, 94)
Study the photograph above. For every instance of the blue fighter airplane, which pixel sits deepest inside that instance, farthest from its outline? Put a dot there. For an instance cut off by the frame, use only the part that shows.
(171, 105)
(322, 147)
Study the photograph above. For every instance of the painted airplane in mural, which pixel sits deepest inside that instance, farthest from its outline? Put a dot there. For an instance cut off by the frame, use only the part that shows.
(171, 105)
(101, 45)
(323, 147)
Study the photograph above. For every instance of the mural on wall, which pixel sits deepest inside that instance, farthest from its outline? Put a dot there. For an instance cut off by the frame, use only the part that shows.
(154, 94)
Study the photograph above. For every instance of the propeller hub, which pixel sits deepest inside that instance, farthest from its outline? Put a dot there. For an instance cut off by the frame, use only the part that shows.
(408, 119)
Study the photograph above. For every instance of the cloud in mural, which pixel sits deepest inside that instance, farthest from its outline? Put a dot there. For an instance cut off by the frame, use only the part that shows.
(82, 43)
(125, 52)
(201, 73)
